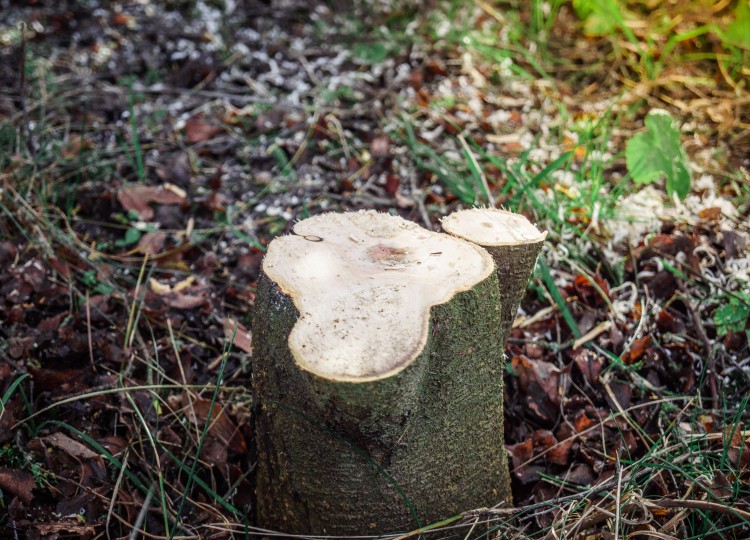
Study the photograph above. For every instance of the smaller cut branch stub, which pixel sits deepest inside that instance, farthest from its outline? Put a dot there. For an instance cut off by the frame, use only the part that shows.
(512, 240)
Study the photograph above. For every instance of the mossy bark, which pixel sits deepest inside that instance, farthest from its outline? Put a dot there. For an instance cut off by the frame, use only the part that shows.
(368, 458)
(514, 265)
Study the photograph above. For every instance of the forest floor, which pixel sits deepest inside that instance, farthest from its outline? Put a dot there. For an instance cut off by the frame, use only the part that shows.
(150, 151)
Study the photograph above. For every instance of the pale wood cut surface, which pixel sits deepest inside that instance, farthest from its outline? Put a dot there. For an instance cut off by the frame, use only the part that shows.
(364, 284)
(490, 227)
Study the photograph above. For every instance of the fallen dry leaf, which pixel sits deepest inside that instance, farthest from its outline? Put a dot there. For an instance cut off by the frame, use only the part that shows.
(70, 446)
(589, 364)
(720, 487)
(637, 349)
(520, 454)
(61, 267)
(738, 449)
(708, 421)
(559, 454)
(221, 426)
(666, 322)
(18, 483)
(734, 244)
(183, 284)
(76, 144)
(242, 337)
(215, 201)
(35, 274)
(198, 130)
(186, 301)
(662, 244)
(522, 451)
(69, 530)
(113, 444)
(710, 214)
(545, 492)
(8, 253)
(138, 197)
(588, 293)
(543, 374)
(158, 287)
(580, 474)
(582, 422)
(151, 243)
(57, 380)
(621, 392)
(215, 452)
(392, 182)
(121, 19)
(183, 295)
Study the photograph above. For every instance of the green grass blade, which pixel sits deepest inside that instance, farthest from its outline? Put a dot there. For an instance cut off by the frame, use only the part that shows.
(203, 485)
(557, 297)
(12, 388)
(136, 140)
(192, 477)
(103, 451)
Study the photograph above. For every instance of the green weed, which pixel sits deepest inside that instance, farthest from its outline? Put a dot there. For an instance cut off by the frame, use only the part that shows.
(734, 314)
(15, 385)
(658, 153)
(12, 457)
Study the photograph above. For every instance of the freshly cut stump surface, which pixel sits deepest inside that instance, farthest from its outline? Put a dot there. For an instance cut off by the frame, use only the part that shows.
(364, 284)
(377, 370)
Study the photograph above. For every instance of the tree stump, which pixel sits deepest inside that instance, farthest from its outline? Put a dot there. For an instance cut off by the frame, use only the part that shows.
(377, 373)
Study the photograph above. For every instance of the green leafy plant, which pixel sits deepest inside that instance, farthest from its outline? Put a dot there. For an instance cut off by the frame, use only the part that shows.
(600, 18)
(371, 53)
(12, 457)
(738, 32)
(734, 315)
(134, 229)
(90, 280)
(132, 236)
(670, 34)
(657, 152)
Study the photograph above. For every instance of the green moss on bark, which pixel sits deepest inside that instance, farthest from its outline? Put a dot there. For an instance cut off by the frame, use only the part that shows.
(514, 266)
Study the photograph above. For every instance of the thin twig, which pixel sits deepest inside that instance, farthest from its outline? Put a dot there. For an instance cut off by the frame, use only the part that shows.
(482, 177)
(698, 325)
(14, 528)
(142, 514)
(115, 491)
(618, 495)
(22, 93)
(701, 505)
(591, 334)
(491, 11)
(88, 328)
(547, 505)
